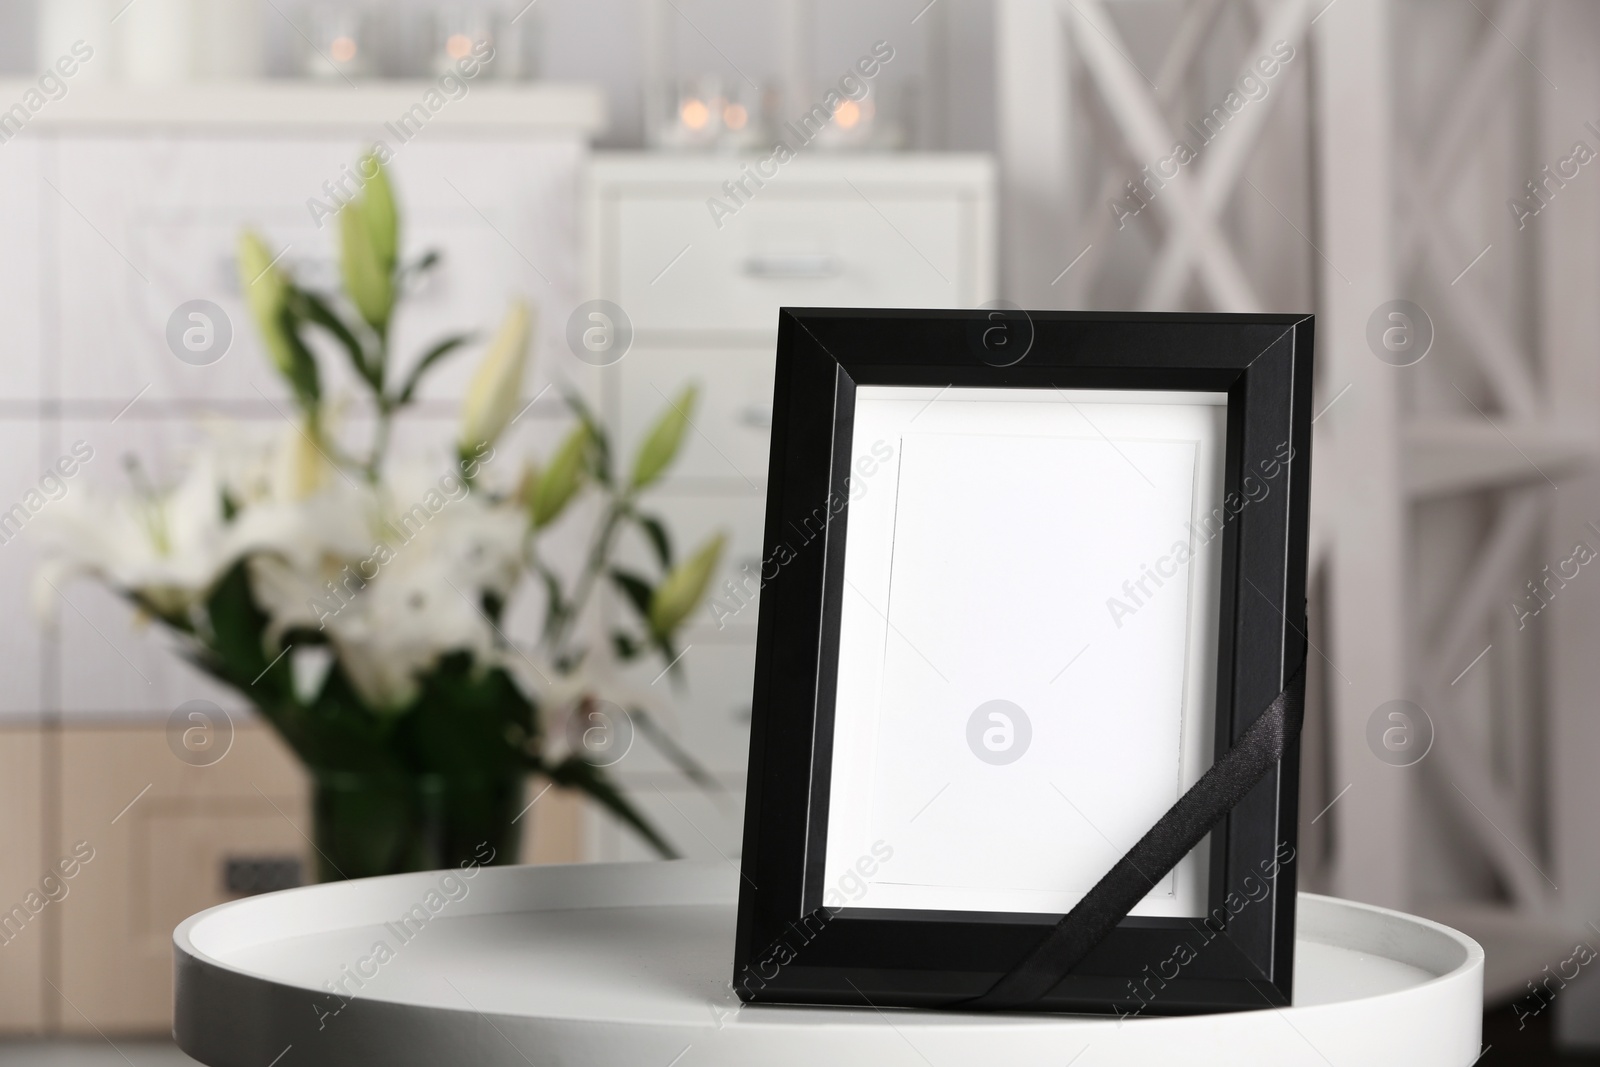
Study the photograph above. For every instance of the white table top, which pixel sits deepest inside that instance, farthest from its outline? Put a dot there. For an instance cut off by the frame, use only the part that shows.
(629, 964)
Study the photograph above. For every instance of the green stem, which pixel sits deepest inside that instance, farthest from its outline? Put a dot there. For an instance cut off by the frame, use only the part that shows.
(599, 554)
(386, 409)
(380, 439)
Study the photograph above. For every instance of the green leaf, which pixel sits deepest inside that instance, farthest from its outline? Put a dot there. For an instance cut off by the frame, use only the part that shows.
(180, 620)
(684, 587)
(429, 358)
(599, 455)
(671, 657)
(578, 774)
(600, 452)
(580, 407)
(314, 309)
(494, 605)
(235, 636)
(301, 370)
(459, 722)
(555, 604)
(408, 277)
(660, 446)
(625, 646)
(337, 731)
(558, 483)
(657, 533)
(635, 588)
(424, 263)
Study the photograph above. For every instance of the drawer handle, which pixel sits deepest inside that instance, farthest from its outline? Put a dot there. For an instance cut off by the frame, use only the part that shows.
(802, 266)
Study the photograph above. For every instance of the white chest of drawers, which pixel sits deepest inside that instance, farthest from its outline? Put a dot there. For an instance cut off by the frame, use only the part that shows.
(700, 252)
(120, 204)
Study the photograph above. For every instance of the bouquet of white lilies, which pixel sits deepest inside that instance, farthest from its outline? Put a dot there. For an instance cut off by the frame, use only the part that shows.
(359, 600)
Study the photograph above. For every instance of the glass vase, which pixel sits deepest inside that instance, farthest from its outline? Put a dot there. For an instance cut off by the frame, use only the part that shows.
(373, 823)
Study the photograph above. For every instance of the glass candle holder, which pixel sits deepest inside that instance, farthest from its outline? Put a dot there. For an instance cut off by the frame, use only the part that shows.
(707, 113)
(463, 30)
(339, 44)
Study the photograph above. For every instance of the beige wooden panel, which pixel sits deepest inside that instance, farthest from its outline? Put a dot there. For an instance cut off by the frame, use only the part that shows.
(22, 946)
(552, 830)
(160, 830)
(159, 858)
(177, 855)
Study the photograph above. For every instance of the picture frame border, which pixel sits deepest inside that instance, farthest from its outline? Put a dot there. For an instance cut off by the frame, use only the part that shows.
(789, 946)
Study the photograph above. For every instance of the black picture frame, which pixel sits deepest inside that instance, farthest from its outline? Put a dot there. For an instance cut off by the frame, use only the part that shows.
(792, 949)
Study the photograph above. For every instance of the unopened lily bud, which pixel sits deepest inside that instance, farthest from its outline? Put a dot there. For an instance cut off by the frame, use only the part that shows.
(661, 445)
(496, 387)
(561, 480)
(684, 587)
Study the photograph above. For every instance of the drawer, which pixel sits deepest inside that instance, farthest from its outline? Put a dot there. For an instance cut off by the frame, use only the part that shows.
(729, 440)
(690, 519)
(21, 261)
(146, 224)
(707, 713)
(673, 269)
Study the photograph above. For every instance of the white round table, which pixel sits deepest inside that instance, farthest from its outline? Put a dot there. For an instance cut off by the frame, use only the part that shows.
(627, 965)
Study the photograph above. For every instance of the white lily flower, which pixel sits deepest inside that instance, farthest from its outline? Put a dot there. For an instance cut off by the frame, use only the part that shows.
(295, 504)
(400, 626)
(169, 547)
(561, 696)
(396, 577)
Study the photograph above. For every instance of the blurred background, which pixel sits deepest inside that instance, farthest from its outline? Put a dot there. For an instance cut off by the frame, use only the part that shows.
(1418, 173)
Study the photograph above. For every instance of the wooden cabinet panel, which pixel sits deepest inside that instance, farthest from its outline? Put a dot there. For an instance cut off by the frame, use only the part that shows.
(158, 833)
(23, 941)
(160, 830)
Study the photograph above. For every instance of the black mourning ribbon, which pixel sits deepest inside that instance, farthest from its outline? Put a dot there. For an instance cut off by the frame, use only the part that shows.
(1173, 836)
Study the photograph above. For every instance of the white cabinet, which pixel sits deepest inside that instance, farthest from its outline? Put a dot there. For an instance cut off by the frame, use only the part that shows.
(829, 246)
(145, 222)
(133, 207)
(21, 191)
(122, 204)
(732, 416)
(842, 231)
(701, 287)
